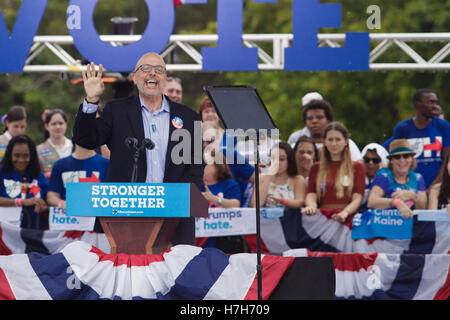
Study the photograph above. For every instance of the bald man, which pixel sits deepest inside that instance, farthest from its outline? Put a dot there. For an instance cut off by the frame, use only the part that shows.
(149, 114)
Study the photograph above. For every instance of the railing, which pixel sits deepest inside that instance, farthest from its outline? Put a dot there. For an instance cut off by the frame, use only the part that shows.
(270, 50)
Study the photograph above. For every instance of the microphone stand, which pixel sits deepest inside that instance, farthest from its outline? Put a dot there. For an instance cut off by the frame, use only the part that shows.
(146, 144)
(135, 165)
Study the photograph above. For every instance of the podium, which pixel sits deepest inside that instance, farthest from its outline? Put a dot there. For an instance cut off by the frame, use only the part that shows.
(137, 218)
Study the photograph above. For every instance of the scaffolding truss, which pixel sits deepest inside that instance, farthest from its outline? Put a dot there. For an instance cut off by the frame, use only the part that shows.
(183, 52)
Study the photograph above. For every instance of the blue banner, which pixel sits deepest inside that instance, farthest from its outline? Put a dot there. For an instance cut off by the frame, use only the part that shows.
(128, 199)
(381, 223)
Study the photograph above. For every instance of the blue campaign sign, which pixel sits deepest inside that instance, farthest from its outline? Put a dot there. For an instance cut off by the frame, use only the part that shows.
(305, 55)
(122, 58)
(128, 199)
(15, 47)
(230, 54)
(381, 223)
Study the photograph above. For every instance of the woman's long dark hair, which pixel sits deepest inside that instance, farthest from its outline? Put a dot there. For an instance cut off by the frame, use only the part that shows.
(48, 117)
(33, 169)
(15, 113)
(292, 166)
(444, 193)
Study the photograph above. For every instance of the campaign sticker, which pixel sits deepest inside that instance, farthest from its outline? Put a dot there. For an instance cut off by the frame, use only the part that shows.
(177, 122)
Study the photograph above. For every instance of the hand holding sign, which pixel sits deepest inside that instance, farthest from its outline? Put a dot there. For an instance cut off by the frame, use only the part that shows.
(93, 83)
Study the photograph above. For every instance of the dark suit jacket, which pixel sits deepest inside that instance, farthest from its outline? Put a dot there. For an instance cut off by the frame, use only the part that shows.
(122, 118)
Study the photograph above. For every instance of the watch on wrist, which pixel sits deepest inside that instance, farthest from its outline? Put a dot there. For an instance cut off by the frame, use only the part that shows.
(219, 200)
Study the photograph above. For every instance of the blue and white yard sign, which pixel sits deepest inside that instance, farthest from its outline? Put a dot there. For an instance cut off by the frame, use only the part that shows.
(226, 222)
(381, 223)
(59, 220)
(128, 199)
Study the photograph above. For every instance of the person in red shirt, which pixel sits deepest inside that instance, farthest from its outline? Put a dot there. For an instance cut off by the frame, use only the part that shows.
(336, 183)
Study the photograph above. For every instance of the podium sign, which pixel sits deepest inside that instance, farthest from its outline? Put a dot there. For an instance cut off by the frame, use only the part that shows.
(137, 218)
(129, 200)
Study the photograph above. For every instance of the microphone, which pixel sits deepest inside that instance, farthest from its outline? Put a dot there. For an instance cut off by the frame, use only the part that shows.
(131, 142)
(148, 144)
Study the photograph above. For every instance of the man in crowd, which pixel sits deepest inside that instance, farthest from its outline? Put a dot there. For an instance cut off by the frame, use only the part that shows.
(147, 115)
(174, 89)
(317, 114)
(428, 135)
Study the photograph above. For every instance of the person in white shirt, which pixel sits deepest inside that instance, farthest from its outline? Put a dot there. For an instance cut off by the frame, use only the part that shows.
(56, 144)
(317, 113)
(15, 121)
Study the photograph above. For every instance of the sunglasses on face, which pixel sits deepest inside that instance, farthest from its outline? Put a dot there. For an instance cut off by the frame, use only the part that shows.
(374, 160)
(404, 156)
(148, 68)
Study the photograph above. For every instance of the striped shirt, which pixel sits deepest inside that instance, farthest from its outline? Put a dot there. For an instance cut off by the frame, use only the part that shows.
(156, 128)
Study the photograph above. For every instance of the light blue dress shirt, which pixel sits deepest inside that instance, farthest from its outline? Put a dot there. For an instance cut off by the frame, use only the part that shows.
(156, 127)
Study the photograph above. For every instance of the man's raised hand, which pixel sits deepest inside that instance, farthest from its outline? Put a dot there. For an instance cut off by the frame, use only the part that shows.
(93, 83)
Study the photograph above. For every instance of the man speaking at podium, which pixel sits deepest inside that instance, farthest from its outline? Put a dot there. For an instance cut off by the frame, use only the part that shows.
(148, 115)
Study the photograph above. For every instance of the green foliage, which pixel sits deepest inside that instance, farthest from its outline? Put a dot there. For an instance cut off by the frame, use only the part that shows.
(368, 103)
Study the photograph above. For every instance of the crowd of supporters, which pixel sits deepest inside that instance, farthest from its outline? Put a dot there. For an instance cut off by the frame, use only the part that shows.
(318, 168)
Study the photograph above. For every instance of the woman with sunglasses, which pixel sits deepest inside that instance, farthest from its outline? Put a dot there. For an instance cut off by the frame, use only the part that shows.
(439, 197)
(375, 157)
(397, 186)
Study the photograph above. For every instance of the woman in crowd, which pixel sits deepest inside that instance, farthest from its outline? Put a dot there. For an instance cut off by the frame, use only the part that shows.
(375, 157)
(207, 111)
(219, 187)
(222, 191)
(336, 183)
(439, 197)
(56, 145)
(306, 155)
(283, 188)
(209, 115)
(240, 168)
(22, 184)
(15, 121)
(397, 186)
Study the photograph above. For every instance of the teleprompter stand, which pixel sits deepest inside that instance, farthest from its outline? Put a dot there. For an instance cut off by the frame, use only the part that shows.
(241, 108)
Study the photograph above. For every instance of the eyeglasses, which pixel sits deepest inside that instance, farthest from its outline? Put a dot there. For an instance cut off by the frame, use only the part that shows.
(148, 68)
(404, 156)
(374, 160)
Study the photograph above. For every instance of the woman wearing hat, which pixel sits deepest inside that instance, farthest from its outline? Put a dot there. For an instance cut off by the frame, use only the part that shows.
(397, 186)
